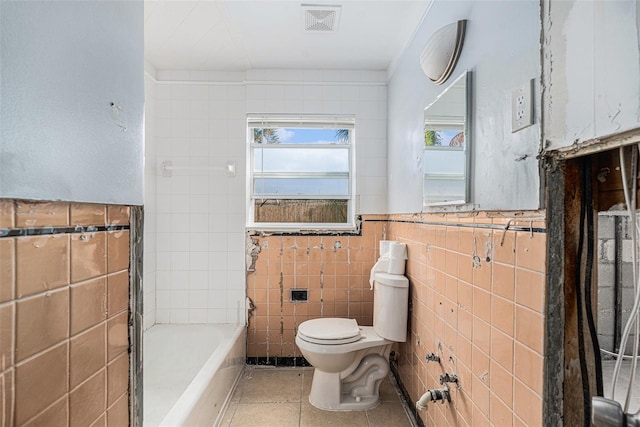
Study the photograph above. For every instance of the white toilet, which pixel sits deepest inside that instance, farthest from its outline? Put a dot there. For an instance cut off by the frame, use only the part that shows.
(350, 360)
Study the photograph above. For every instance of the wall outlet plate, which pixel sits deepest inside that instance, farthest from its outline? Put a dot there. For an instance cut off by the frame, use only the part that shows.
(522, 107)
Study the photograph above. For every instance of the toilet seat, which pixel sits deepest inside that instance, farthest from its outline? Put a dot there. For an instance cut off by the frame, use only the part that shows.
(329, 331)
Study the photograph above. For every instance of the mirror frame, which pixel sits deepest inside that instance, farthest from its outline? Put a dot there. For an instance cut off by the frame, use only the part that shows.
(468, 140)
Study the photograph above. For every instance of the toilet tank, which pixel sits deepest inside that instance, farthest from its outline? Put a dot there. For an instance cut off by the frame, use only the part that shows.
(390, 306)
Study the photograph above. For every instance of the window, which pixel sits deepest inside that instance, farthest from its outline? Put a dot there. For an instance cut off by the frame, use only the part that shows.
(300, 172)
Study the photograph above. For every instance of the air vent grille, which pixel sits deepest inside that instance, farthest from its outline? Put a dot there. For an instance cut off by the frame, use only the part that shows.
(320, 18)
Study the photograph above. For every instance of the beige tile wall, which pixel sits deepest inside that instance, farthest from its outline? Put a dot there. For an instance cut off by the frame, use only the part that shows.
(335, 270)
(477, 299)
(63, 316)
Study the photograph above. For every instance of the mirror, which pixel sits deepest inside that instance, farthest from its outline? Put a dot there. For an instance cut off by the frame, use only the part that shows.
(445, 160)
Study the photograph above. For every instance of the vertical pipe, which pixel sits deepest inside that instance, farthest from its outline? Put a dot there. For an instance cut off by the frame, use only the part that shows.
(617, 285)
(582, 355)
(588, 276)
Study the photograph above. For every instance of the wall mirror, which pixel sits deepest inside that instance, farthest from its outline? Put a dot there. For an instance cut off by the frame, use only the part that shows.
(445, 160)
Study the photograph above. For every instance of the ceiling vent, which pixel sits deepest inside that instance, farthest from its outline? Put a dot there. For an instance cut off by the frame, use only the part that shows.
(320, 18)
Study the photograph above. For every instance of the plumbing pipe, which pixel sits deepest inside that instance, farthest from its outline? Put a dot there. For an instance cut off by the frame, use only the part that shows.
(433, 395)
(609, 413)
(432, 357)
(633, 319)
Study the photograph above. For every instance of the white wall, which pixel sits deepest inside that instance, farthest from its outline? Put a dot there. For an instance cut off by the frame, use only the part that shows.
(362, 93)
(502, 50)
(200, 234)
(201, 120)
(150, 190)
(62, 65)
(592, 69)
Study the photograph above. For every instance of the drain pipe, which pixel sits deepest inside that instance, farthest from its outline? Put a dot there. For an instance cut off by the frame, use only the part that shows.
(440, 394)
(433, 395)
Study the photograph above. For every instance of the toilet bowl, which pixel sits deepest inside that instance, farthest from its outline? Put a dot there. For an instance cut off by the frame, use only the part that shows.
(350, 360)
(341, 381)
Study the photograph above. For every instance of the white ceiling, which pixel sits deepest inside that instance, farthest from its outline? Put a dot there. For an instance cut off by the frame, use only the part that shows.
(236, 35)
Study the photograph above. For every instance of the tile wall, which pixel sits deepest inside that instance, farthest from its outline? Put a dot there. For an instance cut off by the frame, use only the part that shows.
(64, 301)
(477, 300)
(200, 216)
(477, 296)
(150, 216)
(334, 269)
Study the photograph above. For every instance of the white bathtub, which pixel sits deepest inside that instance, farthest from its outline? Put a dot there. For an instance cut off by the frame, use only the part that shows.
(189, 372)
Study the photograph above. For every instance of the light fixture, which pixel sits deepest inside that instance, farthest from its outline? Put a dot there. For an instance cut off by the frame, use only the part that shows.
(440, 55)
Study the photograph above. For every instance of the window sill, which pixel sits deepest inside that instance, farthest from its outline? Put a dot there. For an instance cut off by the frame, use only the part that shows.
(297, 229)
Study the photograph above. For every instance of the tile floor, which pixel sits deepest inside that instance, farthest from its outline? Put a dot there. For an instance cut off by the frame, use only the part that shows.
(278, 397)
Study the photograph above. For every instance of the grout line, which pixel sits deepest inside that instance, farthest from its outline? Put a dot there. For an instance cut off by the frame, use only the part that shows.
(47, 408)
(46, 231)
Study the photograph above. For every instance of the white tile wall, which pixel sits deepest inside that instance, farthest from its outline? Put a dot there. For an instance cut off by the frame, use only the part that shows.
(194, 208)
(200, 217)
(150, 202)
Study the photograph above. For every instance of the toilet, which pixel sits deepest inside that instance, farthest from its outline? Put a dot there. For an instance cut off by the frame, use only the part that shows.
(350, 360)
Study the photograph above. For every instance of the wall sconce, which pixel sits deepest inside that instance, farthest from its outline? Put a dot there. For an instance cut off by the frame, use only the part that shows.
(440, 55)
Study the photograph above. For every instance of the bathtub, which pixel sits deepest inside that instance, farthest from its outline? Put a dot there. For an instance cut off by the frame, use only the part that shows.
(189, 372)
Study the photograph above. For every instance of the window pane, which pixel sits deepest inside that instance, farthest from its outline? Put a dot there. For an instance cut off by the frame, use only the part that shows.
(301, 186)
(301, 171)
(443, 190)
(301, 211)
(301, 160)
(444, 162)
(300, 136)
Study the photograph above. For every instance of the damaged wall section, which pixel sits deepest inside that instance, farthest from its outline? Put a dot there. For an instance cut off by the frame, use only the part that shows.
(591, 62)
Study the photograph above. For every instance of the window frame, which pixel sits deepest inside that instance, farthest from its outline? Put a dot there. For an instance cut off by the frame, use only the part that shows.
(307, 122)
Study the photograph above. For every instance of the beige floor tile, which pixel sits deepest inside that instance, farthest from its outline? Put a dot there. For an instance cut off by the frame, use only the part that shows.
(306, 384)
(311, 416)
(388, 391)
(237, 395)
(270, 397)
(388, 414)
(271, 385)
(266, 415)
(228, 415)
(237, 392)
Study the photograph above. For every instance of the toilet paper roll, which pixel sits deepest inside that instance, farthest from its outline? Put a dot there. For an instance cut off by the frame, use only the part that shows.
(398, 250)
(396, 266)
(385, 247)
(381, 265)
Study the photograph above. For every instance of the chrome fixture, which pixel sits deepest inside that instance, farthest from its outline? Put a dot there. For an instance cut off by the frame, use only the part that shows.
(432, 357)
(446, 378)
(609, 413)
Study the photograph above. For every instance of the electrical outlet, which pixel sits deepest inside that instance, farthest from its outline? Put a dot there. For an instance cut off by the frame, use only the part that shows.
(521, 107)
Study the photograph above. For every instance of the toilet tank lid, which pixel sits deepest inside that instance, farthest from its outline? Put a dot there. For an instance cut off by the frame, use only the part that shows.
(330, 328)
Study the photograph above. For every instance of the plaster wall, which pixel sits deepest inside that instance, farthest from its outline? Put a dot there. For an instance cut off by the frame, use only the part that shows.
(591, 68)
(71, 116)
(502, 51)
